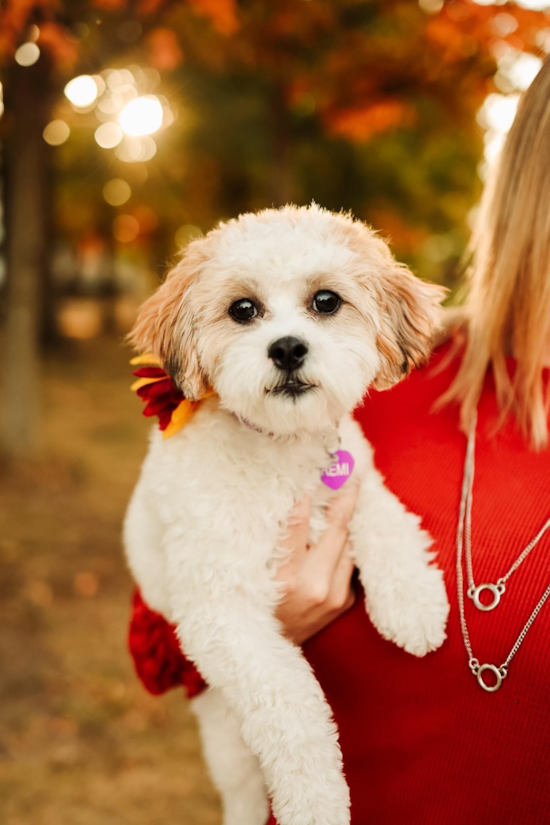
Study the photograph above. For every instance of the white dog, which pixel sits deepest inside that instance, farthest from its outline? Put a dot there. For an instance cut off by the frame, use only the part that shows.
(289, 316)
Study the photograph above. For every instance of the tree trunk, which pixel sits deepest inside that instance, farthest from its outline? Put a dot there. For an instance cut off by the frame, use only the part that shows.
(28, 104)
(48, 332)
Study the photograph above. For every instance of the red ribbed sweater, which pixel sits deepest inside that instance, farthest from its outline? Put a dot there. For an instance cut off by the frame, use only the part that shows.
(423, 744)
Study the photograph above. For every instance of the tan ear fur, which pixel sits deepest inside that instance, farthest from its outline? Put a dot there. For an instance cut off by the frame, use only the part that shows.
(166, 328)
(409, 320)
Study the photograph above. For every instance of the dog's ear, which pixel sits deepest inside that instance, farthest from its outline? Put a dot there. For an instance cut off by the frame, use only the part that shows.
(165, 327)
(410, 315)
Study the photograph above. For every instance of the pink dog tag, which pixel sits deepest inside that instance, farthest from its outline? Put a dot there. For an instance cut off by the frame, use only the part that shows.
(339, 472)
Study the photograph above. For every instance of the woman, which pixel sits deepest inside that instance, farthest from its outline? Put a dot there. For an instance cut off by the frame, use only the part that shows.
(463, 736)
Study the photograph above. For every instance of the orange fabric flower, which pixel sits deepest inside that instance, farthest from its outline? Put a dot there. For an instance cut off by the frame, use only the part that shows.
(162, 398)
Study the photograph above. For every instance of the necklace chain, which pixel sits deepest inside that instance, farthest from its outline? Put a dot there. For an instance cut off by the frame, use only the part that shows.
(499, 588)
(464, 548)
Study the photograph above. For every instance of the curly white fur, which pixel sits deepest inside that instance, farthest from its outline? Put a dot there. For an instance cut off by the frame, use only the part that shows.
(203, 525)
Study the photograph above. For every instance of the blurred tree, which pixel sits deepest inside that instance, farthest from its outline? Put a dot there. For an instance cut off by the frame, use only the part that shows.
(32, 87)
(363, 105)
(26, 210)
(366, 105)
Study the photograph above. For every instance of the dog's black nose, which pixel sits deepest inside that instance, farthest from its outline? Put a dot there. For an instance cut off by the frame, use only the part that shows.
(287, 353)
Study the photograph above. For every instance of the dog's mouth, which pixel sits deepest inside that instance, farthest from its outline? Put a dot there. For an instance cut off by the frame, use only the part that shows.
(291, 388)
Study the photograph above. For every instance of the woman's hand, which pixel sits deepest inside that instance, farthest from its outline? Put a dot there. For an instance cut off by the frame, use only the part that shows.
(317, 579)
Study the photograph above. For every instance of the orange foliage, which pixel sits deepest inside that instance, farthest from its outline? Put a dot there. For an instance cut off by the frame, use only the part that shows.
(146, 8)
(61, 46)
(222, 13)
(165, 53)
(463, 23)
(399, 233)
(362, 122)
(109, 5)
(15, 18)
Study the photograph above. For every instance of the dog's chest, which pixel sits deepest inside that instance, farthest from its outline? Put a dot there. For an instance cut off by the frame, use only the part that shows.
(238, 487)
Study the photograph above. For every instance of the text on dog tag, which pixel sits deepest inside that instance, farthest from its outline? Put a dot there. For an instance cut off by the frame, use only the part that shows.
(339, 471)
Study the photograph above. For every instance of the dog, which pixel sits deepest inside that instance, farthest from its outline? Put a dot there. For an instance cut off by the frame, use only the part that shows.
(289, 316)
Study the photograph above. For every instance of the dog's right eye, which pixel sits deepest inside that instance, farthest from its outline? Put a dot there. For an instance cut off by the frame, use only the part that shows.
(243, 310)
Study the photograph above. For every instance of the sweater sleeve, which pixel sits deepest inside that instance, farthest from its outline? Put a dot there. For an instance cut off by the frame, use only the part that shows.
(157, 656)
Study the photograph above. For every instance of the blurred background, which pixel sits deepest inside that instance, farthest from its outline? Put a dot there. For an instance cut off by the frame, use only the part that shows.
(127, 128)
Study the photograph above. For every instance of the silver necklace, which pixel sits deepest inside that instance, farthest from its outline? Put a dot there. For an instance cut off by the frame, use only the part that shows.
(464, 548)
(499, 588)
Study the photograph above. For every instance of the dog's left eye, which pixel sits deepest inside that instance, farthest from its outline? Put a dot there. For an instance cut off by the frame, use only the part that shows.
(243, 310)
(326, 302)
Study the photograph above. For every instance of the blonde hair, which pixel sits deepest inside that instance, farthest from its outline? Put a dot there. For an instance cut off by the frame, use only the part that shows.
(507, 311)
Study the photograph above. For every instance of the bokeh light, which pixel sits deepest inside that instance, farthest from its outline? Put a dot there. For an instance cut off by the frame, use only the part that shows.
(516, 72)
(504, 24)
(148, 148)
(431, 6)
(138, 74)
(81, 91)
(79, 319)
(126, 92)
(100, 83)
(142, 116)
(27, 54)
(519, 69)
(116, 192)
(129, 150)
(125, 228)
(498, 112)
(110, 103)
(496, 117)
(56, 132)
(112, 78)
(118, 77)
(108, 135)
(536, 5)
(135, 149)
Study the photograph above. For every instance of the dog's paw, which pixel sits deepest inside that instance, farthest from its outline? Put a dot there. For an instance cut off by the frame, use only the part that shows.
(412, 611)
(311, 813)
(322, 799)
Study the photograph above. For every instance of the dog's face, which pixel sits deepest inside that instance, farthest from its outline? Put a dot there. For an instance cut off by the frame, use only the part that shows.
(289, 315)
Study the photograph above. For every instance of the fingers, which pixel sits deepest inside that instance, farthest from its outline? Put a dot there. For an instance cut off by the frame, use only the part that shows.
(319, 565)
(341, 594)
(340, 598)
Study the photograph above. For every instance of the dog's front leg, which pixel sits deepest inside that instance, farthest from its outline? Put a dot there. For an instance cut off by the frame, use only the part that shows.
(405, 593)
(285, 720)
(234, 769)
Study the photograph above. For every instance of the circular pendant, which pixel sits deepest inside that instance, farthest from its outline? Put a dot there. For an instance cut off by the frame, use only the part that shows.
(496, 589)
(498, 675)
